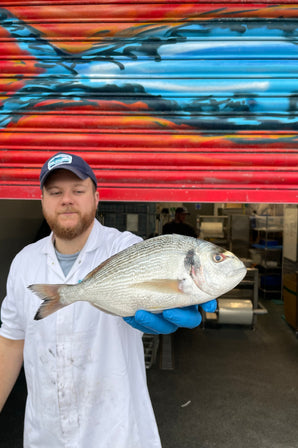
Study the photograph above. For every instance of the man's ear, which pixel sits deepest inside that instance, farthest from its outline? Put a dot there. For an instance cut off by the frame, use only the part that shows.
(97, 197)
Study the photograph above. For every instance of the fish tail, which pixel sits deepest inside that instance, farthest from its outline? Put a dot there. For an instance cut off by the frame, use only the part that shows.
(51, 299)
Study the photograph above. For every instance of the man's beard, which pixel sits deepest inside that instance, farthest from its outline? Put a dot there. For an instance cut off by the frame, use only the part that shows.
(69, 233)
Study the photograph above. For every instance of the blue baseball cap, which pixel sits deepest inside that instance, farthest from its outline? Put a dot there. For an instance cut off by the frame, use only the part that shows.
(69, 162)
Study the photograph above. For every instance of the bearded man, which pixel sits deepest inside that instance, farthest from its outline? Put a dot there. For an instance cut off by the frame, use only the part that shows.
(85, 369)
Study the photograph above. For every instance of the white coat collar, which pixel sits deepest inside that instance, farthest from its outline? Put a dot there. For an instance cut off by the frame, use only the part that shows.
(95, 239)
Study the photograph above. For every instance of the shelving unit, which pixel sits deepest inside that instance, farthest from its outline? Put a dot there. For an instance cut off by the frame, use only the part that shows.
(267, 251)
(240, 305)
(150, 344)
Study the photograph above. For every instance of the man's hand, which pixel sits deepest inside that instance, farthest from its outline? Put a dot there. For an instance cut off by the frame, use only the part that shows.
(169, 320)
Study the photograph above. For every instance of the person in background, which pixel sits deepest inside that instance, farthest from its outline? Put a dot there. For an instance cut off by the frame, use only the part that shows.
(178, 225)
(85, 369)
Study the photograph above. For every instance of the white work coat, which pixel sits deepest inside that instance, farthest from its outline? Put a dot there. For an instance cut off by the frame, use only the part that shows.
(84, 368)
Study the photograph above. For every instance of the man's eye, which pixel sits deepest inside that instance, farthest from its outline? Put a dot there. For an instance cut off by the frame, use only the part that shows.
(54, 193)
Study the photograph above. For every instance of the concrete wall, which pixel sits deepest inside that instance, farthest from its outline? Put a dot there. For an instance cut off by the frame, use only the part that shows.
(19, 223)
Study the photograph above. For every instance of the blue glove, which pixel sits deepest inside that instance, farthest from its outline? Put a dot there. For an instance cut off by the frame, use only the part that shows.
(169, 320)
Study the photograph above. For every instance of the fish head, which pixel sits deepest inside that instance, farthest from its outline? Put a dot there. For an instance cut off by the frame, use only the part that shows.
(214, 270)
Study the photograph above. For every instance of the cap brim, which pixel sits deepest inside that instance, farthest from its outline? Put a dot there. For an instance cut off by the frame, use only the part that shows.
(62, 167)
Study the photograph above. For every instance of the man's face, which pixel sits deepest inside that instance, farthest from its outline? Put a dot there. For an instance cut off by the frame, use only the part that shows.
(181, 217)
(69, 204)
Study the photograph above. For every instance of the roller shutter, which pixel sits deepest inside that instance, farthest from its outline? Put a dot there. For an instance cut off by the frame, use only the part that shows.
(167, 100)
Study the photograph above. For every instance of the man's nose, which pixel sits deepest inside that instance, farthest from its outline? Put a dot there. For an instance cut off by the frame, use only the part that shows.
(67, 197)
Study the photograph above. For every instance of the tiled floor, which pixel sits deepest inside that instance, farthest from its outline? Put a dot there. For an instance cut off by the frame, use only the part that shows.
(232, 387)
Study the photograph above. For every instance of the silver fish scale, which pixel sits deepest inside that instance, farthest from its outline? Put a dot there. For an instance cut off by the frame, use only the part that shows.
(153, 275)
(150, 259)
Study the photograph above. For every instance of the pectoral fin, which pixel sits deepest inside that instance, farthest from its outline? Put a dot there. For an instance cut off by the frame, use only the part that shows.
(165, 286)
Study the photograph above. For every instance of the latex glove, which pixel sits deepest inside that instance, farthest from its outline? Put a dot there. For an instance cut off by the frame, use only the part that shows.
(169, 320)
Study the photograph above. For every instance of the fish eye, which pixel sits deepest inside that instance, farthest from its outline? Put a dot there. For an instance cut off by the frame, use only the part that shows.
(218, 258)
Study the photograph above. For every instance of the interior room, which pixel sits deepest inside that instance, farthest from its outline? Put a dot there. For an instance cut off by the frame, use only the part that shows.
(233, 380)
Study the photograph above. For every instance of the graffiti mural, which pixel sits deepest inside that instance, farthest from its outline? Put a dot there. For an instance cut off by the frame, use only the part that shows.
(159, 96)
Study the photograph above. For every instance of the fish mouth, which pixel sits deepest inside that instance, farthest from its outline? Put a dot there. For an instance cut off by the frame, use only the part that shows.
(238, 272)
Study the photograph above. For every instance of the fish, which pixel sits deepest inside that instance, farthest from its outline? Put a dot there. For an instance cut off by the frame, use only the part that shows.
(163, 272)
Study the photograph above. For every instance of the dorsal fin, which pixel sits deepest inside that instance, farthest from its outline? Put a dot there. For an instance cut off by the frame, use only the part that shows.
(99, 267)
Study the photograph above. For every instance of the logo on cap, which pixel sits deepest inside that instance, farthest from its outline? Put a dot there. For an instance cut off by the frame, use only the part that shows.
(59, 159)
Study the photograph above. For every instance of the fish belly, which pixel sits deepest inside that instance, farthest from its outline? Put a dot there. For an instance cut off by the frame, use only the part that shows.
(126, 303)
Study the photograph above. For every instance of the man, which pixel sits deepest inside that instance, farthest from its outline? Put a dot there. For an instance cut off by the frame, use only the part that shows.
(84, 368)
(178, 225)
